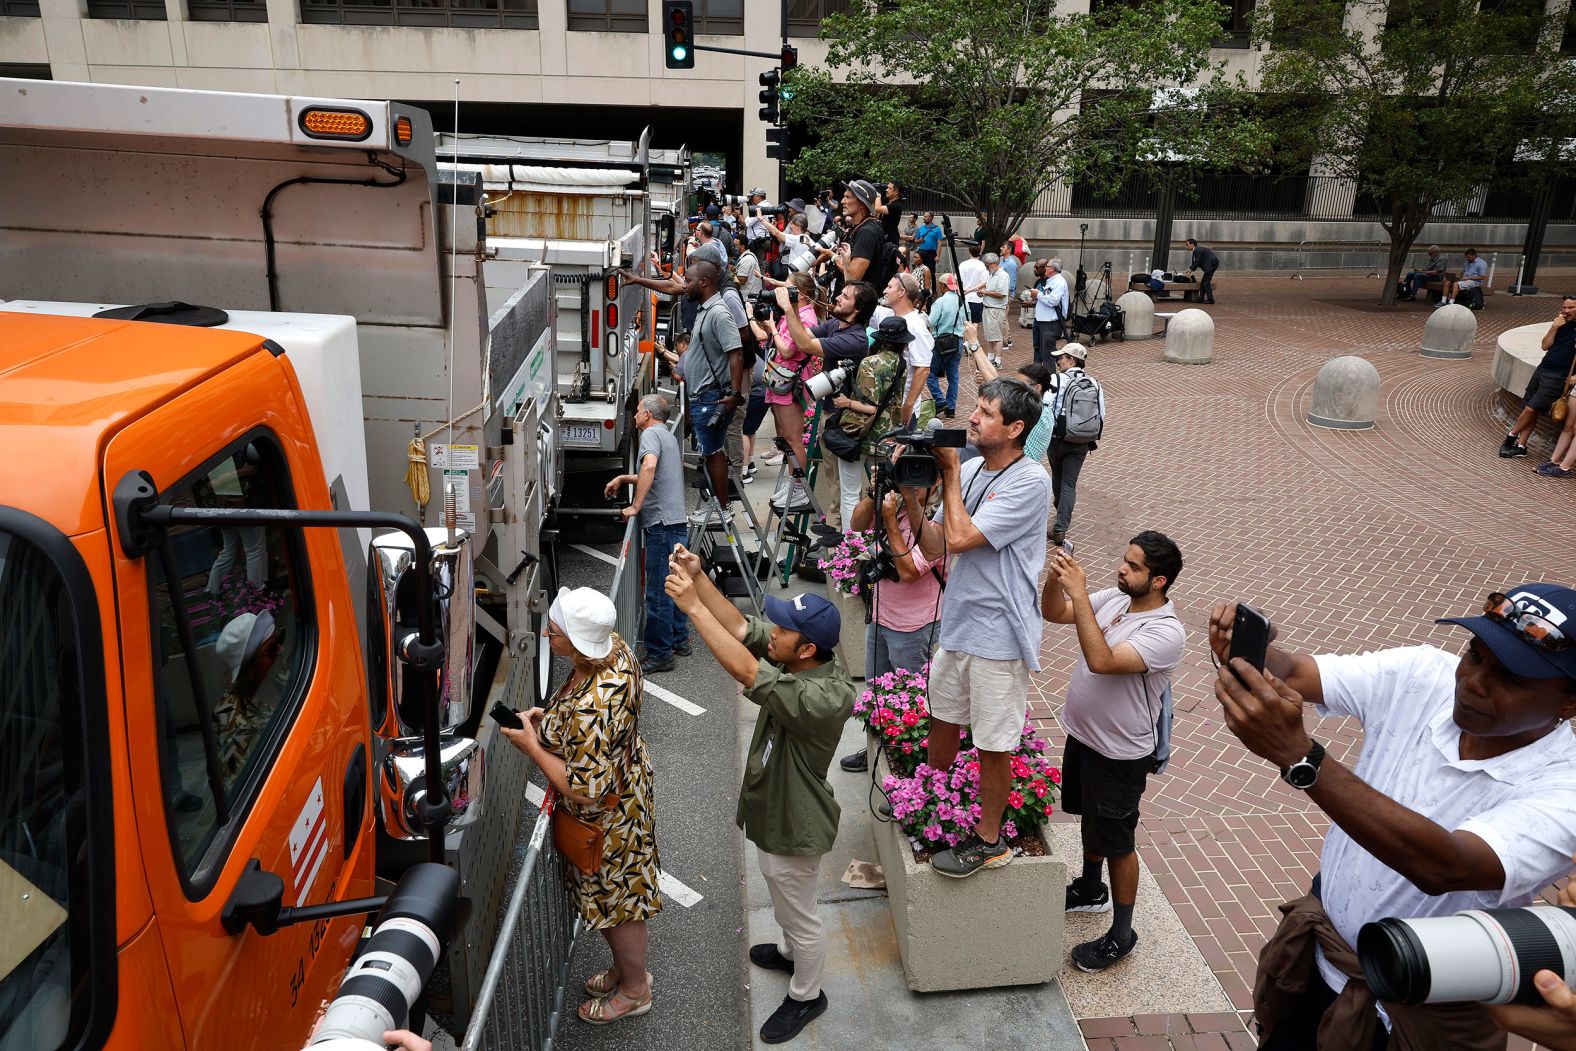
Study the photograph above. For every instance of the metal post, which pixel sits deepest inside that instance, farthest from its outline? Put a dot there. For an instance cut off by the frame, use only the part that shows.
(1163, 213)
(1537, 224)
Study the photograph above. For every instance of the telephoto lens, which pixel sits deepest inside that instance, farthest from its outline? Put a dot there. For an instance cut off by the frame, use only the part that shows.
(1486, 956)
(381, 984)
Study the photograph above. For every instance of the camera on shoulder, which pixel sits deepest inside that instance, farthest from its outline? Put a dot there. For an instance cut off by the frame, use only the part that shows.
(915, 467)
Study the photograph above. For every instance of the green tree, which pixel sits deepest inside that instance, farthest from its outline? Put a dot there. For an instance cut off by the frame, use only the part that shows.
(1416, 103)
(995, 102)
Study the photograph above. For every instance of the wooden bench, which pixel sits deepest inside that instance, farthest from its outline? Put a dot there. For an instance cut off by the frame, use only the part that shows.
(1435, 289)
(1189, 289)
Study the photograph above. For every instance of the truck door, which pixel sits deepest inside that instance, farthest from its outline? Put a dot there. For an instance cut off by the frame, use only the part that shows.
(254, 744)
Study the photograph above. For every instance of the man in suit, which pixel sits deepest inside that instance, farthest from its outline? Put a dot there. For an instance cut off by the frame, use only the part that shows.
(1203, 259)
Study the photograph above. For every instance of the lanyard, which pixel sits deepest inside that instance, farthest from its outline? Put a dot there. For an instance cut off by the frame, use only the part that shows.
(1000, 475)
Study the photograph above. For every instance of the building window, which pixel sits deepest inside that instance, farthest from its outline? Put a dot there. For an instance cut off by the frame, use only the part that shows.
(146, 10)
(607, 16)
(459, 14)
(1237, 24)
(719, 17)
(25, 70)
(227, 10)
(19, 9)
(804, 16)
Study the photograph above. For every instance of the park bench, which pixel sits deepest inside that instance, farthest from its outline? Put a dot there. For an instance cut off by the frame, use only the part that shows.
(1189, 289)
(1436, 289)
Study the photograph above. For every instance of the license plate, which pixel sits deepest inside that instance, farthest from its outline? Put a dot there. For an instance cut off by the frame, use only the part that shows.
(582, 434)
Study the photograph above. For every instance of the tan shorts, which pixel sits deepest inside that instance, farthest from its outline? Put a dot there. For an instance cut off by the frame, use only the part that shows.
(991, 697)
(994, 322)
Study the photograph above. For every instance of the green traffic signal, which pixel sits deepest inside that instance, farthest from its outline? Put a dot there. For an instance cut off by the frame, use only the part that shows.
(678, 18)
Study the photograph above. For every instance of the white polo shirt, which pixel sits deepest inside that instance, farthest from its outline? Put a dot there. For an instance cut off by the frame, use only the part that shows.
(1522, 804)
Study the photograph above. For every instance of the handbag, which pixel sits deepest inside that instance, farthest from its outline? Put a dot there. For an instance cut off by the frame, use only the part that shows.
(581, 842)
(1561, 407)
(846, 445)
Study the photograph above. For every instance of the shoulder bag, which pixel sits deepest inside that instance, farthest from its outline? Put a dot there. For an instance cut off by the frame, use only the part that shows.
(1561, 407)
(845, 445)
(581, 842)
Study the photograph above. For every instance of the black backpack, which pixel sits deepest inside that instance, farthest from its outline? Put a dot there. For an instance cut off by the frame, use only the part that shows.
(886, 264)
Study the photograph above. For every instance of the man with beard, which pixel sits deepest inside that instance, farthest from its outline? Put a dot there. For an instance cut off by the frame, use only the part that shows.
(1129, 641)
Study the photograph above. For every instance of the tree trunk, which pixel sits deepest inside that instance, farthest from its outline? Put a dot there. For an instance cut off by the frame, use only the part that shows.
(1406, 225)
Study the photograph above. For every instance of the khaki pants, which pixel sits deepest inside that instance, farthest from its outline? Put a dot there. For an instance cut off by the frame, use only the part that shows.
(791, 883)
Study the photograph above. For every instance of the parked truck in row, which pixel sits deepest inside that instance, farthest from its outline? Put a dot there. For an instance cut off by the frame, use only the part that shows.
(272, 499)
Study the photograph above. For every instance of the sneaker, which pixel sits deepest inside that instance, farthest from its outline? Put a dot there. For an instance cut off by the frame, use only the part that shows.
(748, 474)
(773, 459)
(770, 957)
(651, 667)
(1557, 472)
(1510, 439)
(1082, 897)
(855, 762)
(790, 1017)
(698, 517)
(1102, 952)
(970, 856)
(682, 649)
(1514, 451)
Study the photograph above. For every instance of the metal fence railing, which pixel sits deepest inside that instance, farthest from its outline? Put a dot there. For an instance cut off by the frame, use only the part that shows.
(522, 994)
(628, 590)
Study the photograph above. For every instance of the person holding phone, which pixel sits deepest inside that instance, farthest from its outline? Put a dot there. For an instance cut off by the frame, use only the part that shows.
(1463, 797)
(1130, 641)
(587, 744)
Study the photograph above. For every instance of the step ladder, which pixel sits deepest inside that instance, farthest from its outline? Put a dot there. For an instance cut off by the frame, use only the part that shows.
(795, 534)
(737, 570)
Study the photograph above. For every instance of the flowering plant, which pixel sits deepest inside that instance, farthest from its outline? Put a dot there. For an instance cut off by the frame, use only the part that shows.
(843, 563)
(893, 709)
(245, 596)
(938, 808)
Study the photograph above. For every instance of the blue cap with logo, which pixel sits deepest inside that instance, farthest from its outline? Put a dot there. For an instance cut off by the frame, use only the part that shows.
(1530, 629)
(810, 615)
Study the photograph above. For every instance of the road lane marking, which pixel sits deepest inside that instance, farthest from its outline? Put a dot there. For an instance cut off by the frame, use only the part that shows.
(594, 553)
(672, 888)
(674, 699)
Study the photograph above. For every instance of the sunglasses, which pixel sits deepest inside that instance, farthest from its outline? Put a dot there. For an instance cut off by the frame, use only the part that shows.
(1531, 626)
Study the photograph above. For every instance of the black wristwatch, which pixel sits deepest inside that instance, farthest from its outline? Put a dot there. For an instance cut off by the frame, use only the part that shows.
(1305, 771)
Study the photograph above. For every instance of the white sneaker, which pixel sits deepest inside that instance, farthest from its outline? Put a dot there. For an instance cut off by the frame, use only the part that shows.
(772, 459)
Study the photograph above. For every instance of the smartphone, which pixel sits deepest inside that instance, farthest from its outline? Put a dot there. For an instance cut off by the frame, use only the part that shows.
(1067, 546)
(1250, 636)
(503, 715)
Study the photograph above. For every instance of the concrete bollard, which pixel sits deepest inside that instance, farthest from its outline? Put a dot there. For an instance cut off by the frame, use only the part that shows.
(1190, 338)
(1138, 316)
(1449, 332)
(1345, 394)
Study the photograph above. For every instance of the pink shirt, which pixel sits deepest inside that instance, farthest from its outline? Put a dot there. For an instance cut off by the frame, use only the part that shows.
(912, 604)
(800, 363)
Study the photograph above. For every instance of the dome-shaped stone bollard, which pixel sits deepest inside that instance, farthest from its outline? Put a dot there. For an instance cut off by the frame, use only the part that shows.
(1449, 332)
(1190, 338)
(1138, 316)
(1345, 394)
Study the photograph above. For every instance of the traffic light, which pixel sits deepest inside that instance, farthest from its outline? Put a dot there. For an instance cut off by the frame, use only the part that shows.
(790, 57)
(678, 17)
(770, 96)
(779, 143)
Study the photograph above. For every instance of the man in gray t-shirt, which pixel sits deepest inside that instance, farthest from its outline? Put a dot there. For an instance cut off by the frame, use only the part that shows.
(1130, 641)
(659, 501)
(992, 519)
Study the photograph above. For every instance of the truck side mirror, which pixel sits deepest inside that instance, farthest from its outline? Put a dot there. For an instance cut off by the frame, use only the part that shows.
(392, 610)
(257, 900)
(402, 784)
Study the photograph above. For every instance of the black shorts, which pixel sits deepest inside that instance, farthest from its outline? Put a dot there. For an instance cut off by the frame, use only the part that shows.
(977, 311)
(1106, 793)
(1543, 390)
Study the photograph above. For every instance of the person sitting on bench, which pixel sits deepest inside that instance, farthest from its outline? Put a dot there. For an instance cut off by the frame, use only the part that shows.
(1473, 275)
(1433, 270)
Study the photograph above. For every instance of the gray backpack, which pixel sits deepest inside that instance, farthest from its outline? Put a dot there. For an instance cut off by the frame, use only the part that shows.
(1081, 420)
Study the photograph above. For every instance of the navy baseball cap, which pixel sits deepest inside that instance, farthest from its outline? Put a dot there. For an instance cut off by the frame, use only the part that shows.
(1530, 629)
(810, 615)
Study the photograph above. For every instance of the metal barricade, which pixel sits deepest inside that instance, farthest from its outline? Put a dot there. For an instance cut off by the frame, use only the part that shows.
(1371, 256)
(522, 995)
(628, 591)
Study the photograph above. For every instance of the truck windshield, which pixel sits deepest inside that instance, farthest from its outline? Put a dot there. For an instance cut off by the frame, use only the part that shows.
(43, 805)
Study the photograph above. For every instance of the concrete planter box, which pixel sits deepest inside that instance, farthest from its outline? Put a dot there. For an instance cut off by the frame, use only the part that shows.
(851, 646)
(997, 928)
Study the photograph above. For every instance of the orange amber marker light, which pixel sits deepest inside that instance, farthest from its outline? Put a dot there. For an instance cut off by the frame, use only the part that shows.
(347, 124)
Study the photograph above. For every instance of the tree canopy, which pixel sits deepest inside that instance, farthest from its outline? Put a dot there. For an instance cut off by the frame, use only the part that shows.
(1417, 103)
(995, 103)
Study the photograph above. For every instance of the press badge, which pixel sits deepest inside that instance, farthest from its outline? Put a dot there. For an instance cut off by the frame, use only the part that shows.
(766, 753)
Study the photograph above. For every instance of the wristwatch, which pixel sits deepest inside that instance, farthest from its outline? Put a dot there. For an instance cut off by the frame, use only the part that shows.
(1305, 771)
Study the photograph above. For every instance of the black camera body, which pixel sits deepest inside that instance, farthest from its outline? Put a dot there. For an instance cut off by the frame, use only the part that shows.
(916, 467)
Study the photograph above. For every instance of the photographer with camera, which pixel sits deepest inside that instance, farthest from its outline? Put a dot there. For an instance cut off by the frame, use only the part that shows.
(747, 274)
(905, 592)
(863, 256)
(787, 809)
(1463, 797)
(798, 249)
(866, 409)
(714, 372)
(787, 366)
(901, 300)
(992, 519)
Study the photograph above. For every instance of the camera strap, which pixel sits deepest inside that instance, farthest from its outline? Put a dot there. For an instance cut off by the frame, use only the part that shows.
(1000, 476)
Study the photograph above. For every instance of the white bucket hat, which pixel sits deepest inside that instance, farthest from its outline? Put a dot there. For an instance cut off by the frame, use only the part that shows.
(587, 616)
(239, 640)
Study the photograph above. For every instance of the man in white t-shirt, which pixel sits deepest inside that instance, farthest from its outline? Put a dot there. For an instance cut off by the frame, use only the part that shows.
(1129, 642)
(993, 306)
(1463, 797)
(898, 299)
(972, 278)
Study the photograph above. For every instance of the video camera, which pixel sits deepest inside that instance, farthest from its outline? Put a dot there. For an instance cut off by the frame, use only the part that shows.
(763, 304)
(916, 467)
(705, 197)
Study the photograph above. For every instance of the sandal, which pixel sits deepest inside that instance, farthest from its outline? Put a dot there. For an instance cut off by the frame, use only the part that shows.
(598, 985)
(599, 1010)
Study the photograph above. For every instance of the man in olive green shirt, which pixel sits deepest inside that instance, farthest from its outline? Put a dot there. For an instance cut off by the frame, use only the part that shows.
(786, 807)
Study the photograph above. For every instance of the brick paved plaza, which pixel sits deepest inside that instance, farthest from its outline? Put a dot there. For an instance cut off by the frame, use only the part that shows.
(1348, 540)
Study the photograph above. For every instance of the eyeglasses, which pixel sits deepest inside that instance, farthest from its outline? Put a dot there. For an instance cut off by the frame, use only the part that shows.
(1529, 625)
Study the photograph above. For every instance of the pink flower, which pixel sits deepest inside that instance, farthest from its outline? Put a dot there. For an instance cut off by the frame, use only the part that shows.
(910, 718)
(1039, 789)
(1056, 776)
(908, 748)
(893, 731)
(1015, 799)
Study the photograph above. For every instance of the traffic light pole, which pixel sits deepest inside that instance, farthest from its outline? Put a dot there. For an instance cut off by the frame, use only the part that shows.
(737, 51)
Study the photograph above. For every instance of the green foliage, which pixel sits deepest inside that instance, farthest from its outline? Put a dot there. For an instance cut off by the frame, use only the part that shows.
(986, 102)
(1418, 102)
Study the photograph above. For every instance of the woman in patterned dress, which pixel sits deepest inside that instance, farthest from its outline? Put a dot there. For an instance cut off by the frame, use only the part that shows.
(587, 744)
